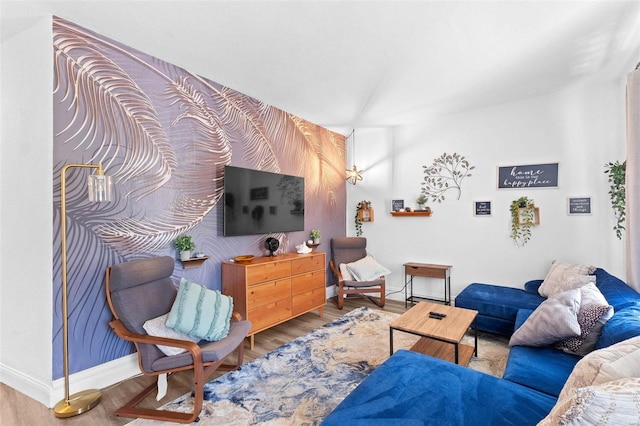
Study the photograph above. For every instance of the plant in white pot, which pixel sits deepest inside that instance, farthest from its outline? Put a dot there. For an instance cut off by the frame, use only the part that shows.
(315, 236)
(184, 245)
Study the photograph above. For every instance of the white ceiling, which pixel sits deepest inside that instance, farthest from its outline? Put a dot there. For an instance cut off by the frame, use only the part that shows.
(346, 64)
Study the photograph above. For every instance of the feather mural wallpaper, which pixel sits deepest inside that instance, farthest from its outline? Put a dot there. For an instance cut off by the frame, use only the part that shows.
(164, 135)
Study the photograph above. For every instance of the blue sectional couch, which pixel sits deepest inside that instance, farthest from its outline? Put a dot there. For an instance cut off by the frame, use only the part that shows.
(411, 388)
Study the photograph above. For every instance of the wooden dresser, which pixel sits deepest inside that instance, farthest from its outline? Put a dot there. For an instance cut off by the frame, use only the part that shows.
(271, 290)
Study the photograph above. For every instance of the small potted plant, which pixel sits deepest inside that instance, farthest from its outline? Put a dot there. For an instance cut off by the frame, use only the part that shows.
(184, 245)
(422, 199)
(315, 236)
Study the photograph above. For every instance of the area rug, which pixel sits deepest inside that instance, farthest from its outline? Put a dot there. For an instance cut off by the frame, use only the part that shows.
(301, 382)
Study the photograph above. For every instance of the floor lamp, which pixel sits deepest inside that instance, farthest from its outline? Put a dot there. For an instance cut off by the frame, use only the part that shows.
(100, 189)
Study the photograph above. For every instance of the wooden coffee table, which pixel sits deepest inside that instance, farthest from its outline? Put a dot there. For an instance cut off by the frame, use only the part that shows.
(438, 337)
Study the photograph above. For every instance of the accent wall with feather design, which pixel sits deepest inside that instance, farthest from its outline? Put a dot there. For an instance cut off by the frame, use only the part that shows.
(165, 135)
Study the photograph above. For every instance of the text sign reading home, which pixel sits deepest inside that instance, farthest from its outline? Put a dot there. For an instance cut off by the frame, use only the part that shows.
(528, 176)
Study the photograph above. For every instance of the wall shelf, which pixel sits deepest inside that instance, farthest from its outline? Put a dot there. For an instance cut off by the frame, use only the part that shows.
(410, 213)
(529, 216)
(194, 262)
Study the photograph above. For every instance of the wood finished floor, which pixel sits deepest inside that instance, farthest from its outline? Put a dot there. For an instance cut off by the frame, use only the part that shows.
(16, 409)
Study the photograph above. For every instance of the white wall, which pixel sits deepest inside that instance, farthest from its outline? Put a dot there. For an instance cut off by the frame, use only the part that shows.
(582, 128)
(25, 206)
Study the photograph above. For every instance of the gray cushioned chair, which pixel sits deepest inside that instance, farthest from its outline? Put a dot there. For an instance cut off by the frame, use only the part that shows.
(141, 290)
(346, 250)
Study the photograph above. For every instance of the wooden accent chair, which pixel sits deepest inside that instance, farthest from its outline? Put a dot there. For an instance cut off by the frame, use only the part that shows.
(350, 249)
(141, 290)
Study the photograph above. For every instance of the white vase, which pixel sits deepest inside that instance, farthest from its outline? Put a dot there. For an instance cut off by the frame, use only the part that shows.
(185, 255)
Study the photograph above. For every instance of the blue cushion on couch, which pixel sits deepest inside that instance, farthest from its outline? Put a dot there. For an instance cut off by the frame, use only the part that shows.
(497, 306)
(623, 325)
(410, 388)
(544, 369)
(617, 292)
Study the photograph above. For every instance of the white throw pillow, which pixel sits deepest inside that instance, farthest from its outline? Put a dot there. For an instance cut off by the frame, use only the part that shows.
(553, 320)
(344, 271)
(366, 269)
(594, 312)
(157, 327)
(603, 365)
(565, 276)
(612, 403)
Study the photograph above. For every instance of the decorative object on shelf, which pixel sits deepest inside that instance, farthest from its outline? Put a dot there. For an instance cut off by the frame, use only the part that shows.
(303, 248)
(446, 172)
(617, 179)
(397, 205)
(524, 215)
(353, 174)
(315, 236)
(272, 244)
(364, 213)
(100, 189)
(422, 200)
(184, 244)
(245, 258)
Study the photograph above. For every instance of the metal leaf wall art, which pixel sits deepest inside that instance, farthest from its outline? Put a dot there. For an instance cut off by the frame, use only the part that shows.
(446, 172)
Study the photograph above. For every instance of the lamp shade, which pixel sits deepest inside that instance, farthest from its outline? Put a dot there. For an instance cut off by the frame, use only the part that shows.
(100, 188)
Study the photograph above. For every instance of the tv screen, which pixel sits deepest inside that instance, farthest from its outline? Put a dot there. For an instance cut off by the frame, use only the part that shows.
(257, 202)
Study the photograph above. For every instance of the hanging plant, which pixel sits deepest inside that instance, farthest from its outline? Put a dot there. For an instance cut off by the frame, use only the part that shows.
(617, 179)
(521, 221)
(361, 205)
(446, 172)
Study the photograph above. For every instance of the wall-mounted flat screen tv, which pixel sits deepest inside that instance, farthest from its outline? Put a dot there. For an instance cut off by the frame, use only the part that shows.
(258, 202)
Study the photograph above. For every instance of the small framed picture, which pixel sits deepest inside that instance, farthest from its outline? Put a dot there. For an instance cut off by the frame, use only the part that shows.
(482, 208)
(397, 205)
(578, 206)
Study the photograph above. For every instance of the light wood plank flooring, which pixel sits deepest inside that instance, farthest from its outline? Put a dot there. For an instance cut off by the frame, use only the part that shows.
(16, 409)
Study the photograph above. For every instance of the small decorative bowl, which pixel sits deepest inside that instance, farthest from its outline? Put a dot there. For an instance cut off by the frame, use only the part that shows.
(244, 259)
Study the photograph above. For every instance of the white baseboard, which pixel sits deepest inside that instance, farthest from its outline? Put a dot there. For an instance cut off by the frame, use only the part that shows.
(97, 377)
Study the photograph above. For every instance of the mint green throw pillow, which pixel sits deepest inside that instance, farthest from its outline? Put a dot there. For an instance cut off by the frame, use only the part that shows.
(201, 312)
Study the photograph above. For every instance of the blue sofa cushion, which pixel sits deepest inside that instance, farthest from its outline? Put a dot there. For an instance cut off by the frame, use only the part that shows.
(544, 369)
(617, 292)
(623, 325)
(533, 286)
(497, 302)
(410, 388)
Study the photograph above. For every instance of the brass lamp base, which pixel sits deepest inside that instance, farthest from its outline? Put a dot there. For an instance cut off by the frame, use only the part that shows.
(78, 403)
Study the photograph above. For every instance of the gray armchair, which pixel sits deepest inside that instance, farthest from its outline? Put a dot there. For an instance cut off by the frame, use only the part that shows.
(346, 250)
(141, 290)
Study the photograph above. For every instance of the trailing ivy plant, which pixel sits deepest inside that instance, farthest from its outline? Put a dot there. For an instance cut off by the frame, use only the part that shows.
(446, 172)
(617, 179)
(521, 232)
(361, 205)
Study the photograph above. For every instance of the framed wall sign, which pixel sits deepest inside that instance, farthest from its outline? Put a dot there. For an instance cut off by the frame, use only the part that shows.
(396, 205)
(482, 208)
(579, 205)
(528, 176)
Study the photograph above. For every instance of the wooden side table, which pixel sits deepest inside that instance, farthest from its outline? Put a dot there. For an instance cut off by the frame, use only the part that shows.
(428, 270)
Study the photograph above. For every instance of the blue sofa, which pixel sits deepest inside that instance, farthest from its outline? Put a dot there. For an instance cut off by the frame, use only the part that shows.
(411, 388)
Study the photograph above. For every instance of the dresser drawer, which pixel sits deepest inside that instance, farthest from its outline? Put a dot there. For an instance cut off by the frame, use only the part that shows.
(269, 292)
(268, 271)
(268, 315)
(308, 263)
(309, 281)
(304, 302)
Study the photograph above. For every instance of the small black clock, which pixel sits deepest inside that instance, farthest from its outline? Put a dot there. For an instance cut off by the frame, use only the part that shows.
(272, 245)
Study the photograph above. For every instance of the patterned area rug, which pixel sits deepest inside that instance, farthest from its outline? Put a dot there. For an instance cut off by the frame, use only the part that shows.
(304, 380)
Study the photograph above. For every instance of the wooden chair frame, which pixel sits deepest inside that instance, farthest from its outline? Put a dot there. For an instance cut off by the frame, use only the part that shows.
(342, 290)
(201, 370)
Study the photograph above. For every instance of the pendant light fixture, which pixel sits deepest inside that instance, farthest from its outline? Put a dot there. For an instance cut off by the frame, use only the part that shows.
(353, 174)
